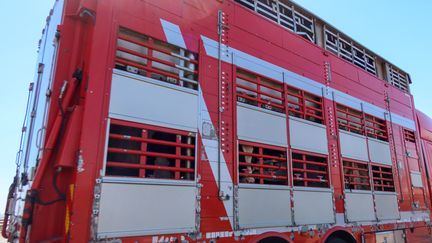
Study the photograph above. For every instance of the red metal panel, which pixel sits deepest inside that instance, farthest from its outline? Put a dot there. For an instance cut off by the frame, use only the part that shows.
(425, 125)
(95, 47)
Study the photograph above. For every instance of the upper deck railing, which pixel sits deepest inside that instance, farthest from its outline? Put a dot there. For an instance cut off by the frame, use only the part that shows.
(298, 20)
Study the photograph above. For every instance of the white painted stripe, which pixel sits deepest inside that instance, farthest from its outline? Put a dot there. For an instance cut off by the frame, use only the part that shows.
(173, 33)
(211, 148)
(249, 62)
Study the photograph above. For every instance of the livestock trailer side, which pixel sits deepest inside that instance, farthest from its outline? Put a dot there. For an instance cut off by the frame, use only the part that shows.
(216, 121)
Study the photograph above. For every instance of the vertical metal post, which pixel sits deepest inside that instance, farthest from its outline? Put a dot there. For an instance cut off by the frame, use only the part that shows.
(387, 101)
(220, 109)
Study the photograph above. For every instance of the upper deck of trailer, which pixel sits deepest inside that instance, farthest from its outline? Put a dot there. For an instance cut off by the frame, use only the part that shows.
(314, 29)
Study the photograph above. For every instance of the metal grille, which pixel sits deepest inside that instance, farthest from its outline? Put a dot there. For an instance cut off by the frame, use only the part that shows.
(149, 57)
(382, 177)
(409, 136)
(265, 93)
(283, 14)
(259, 91)
(398, 78)
(144, 151)
(356, 175)
(305, 105)
(310, 170)
(361, 123)
(376, 127)
(262, 164)
(349, 51)
(349, 119)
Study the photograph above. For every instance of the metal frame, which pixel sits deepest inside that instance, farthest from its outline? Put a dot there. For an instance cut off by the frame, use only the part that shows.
(382, 178)
(266, 169)
(304, 173)
(92, 45)
(361, 123)
(263, 99)
(144, 141)
(126, 58)
(355, 179)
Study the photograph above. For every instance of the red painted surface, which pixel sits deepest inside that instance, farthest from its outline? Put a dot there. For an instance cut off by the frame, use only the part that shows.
(89, 44)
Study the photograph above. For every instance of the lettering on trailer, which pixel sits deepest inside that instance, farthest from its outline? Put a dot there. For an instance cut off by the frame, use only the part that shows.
(206, 128)
(227, 234)
(167, 239)
(257, 65)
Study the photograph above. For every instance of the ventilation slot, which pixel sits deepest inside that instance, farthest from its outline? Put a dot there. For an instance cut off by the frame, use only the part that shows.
(136, 150)
(356, 175)
(259, 91)
(349, 51)
(283, 14)
(397, 78)
(310, 170)
(382, 177)
(305, 105)
(262, 164)
(349, 119)
(152, 58)
(376, 128)
(409, 136)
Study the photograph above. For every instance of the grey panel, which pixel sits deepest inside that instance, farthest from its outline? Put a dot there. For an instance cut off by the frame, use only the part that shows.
(308, 136)
(359, 206)
(313, 207)
(261, 126)
(345, 99)
(386, 206)
(353, 146)
(416, 179)
(379, 151)
(264, 207)
(144, 100)
(145, 209)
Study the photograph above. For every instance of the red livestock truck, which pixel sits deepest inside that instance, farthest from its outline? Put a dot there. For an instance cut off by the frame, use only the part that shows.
(216, 121)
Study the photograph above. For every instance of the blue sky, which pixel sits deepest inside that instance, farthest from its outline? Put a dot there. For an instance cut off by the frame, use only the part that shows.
(398, 30)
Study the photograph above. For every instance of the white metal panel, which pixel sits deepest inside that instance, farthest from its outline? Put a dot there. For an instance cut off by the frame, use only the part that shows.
(142, 99)
(173, 33)
(386, 206)
(416, 179)
(145, 209)
(353, 146)
(264, 207)
(359, 206)
(379, 151)
(308, 136)
(261, 126)
(347, 100)
(313, 207)
(374, 110)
